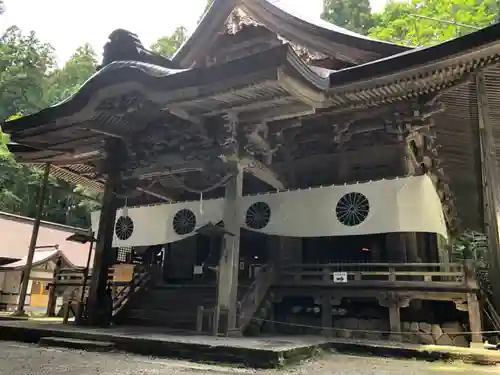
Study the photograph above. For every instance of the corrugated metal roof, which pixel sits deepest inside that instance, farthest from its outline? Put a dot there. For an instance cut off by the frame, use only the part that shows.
(76, 174)
(41, 256)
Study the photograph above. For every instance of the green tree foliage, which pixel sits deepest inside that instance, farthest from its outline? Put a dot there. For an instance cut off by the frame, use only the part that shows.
(207, 5)
(408, 23)
(354, 15)
(168, 45)
(209, 2)
(30, 81)
(24, 65)
(64, 82)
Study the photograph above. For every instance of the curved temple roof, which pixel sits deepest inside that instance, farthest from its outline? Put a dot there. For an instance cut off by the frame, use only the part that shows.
(54, 128)
(257, 80)
(316, 34)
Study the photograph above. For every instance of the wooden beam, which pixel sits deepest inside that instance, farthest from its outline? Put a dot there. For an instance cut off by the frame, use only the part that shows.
(276, 114)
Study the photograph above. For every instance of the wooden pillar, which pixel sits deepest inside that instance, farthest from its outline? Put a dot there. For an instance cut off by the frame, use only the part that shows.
(394, 302)
(34, 236)
(395, 322)
(103, 255)
(474, 311)
(410, 239)
(326, 315)
(491, 186)
(227, 281)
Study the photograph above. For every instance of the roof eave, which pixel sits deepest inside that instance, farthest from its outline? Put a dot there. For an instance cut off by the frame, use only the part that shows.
(474, 45)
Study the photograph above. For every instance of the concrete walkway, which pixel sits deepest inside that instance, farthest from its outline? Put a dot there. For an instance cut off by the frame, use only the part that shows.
(262, 352)
(22, 359)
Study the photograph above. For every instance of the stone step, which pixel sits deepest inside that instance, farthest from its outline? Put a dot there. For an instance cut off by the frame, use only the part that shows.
(64, 342)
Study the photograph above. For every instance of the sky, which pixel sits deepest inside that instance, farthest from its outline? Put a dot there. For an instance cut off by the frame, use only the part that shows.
(69, 24)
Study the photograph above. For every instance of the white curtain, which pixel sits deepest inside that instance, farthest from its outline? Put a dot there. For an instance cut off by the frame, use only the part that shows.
(409, 204)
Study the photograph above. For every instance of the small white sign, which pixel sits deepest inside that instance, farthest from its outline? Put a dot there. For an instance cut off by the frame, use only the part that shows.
(340, 277)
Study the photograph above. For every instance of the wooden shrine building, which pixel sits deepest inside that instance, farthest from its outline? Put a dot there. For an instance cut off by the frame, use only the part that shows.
(260, 107)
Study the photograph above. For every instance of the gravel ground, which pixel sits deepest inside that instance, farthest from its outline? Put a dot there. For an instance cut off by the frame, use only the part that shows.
(20, 359)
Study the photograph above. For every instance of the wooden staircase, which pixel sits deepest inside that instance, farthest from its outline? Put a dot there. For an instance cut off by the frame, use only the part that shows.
(139, 282)
(169, 306)
(255, 298)
(177, 307)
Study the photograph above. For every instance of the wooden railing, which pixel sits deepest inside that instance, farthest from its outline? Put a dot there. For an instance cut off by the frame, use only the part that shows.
(68, 277)
(381, 275)
(254, 296)
(73, 284)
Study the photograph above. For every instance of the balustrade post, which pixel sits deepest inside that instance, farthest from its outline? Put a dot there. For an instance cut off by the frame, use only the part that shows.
(392, 274)
(474, 320)
(199, 319)
(326, 274)
(469, 274)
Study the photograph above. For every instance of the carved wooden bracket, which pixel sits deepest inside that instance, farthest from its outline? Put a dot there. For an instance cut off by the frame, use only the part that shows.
(393, 299)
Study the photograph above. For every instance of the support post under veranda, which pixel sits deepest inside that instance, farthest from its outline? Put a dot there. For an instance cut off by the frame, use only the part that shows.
(98, 313)
(226, 314)
(227, 280)
(34, 236)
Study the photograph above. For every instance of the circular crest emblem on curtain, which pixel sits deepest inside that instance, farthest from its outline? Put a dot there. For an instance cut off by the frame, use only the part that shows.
(184, 222)
(352, 209)
(258, 215)
(124, 227)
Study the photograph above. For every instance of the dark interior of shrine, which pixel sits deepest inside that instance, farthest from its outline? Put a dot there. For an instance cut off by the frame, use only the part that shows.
(344, 249)
(178, 259)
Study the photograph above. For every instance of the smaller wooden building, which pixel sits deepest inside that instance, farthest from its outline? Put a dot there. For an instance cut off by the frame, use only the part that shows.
(52, 245)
